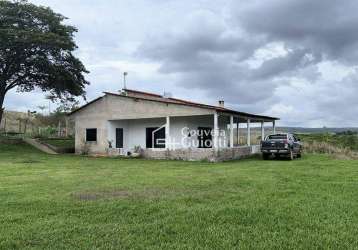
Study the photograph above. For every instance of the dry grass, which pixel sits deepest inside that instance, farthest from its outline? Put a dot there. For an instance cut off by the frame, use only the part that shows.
(14, 121)
(316, 147)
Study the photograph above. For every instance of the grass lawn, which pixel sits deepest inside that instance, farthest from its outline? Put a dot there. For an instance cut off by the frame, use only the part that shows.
(61, 143)
(64, 202)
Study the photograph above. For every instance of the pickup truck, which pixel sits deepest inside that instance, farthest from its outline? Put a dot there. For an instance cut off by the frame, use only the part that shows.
(277, 145)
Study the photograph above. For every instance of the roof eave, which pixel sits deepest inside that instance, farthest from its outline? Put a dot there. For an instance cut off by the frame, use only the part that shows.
(247, 115)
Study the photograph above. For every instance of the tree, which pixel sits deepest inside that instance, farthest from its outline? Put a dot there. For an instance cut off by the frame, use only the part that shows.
(67, 106)
(36, 51)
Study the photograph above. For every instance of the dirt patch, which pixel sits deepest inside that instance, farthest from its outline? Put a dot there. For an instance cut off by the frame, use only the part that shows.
(29, 161)
(122, 194)
(90, 196)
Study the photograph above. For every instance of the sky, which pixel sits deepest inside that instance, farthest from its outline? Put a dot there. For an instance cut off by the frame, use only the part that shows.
(293, 59)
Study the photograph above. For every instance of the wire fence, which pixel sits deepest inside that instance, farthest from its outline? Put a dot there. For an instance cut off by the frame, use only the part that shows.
(20, 124)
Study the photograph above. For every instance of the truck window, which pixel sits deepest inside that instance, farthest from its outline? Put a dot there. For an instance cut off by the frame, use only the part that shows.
(277, 137)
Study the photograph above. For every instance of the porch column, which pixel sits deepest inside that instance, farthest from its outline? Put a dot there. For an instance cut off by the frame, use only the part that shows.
(216, 130)
(262, 131)
(274, 126)
(238, 131)
(231, 131)
(167, 133)
(248, 132)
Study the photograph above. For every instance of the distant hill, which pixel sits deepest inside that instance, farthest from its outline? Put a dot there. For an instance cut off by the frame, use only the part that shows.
(301, 130)
(315, 130)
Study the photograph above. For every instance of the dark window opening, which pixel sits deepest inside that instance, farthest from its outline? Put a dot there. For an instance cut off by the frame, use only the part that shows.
(91, 134)
(119, 137)
(205, 137)
(277, 137)
(158, 140)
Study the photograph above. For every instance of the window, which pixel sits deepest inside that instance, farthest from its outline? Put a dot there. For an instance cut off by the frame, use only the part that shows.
(277, 137)
(159, 137)
(91, 134)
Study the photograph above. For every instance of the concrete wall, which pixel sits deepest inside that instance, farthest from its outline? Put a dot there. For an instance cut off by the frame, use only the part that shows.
(199, 154)
(94, 116)
(120, 108)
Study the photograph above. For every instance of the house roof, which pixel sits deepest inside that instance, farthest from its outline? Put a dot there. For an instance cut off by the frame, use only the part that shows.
(136, 94)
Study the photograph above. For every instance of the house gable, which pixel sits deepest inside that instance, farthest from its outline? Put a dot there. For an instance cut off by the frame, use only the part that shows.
(114, 107)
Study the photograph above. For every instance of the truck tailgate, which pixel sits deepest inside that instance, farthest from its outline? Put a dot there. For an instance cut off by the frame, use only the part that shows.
(273, 144)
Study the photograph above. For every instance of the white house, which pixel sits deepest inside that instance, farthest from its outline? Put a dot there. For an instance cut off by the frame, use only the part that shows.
(162, 127)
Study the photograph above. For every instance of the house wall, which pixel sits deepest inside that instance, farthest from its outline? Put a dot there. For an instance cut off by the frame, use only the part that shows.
(121, 108)
(112, 108)
(135, 131)
(95, 116)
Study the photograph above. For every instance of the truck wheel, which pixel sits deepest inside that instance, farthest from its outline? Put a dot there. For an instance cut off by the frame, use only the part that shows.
(265, 156)
(291, 157)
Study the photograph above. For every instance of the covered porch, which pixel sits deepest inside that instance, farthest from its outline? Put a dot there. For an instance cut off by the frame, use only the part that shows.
(242, 130)
(175, 137)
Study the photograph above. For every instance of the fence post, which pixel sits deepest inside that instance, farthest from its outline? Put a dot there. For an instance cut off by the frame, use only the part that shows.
(5, 125)
(59, 129)
(66, 127)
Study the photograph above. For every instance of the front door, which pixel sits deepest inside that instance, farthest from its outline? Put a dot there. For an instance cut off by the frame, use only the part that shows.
(119, 137)
(159, 138)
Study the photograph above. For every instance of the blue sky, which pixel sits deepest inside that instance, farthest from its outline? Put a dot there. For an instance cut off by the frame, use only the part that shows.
(296, 59)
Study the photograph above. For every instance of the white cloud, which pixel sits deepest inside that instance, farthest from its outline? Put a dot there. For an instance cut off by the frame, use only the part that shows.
(283, 58)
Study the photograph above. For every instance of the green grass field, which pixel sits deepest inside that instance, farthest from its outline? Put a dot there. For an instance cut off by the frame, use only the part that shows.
(65, 202)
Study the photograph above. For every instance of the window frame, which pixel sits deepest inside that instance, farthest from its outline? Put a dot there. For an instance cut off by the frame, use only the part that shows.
(91, 141)
(119, 144)
(273, 135)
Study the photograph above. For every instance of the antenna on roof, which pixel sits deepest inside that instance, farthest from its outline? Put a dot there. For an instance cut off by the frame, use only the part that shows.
(124, 80)
(167, 94)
